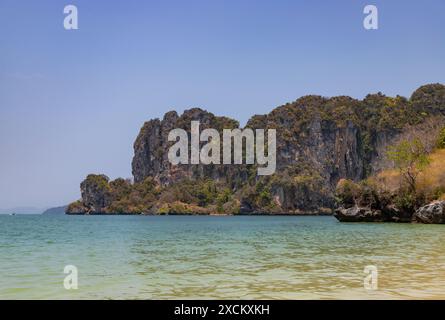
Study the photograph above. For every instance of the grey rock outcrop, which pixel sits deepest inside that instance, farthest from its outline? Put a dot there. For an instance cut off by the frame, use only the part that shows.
(431, 213)
(359, 214)
(96, 193)
(151, 147)
(366, 214)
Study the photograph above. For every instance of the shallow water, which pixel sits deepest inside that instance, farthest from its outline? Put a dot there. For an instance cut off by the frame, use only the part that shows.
(185, 257)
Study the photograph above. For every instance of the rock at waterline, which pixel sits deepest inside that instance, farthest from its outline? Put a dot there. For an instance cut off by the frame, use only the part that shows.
(431, 213)
(358, 214)
(387, 213)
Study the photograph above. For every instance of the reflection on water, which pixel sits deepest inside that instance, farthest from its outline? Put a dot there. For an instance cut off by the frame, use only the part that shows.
(128, 257)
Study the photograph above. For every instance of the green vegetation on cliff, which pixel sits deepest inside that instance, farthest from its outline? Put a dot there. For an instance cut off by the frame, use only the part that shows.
(148, 197)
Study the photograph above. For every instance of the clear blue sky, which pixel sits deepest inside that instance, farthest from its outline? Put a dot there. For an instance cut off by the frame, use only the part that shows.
(72, 102)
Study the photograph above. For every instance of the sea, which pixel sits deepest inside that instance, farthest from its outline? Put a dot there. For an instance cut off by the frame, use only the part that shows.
(218, 257)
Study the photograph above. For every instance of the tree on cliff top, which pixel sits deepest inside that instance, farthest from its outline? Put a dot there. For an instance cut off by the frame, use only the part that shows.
(410, 158)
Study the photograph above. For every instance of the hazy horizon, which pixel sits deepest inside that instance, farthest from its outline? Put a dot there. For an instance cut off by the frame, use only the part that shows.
(72, 102)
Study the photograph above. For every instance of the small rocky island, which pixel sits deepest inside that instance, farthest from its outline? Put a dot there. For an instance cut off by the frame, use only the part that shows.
(332, 154)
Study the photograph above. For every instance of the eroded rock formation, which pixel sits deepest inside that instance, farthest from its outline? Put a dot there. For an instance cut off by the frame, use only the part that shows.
(319, 141)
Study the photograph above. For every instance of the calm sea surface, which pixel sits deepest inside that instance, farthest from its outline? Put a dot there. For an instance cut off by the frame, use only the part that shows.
(173, 257)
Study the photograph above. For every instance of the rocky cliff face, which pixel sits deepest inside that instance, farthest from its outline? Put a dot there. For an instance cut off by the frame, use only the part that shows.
(319, 141)
(96, 196)
(312, 155)
(151, 148)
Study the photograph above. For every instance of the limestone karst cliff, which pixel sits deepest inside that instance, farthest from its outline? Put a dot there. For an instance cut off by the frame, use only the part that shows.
(319, 141)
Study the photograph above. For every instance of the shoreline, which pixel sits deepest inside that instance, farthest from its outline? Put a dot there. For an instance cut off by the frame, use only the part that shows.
(213, 215)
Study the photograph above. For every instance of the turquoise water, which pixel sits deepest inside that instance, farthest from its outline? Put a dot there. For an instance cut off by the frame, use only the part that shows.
(185, 257)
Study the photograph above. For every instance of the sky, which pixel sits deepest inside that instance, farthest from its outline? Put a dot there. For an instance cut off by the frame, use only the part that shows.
(72, 101)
